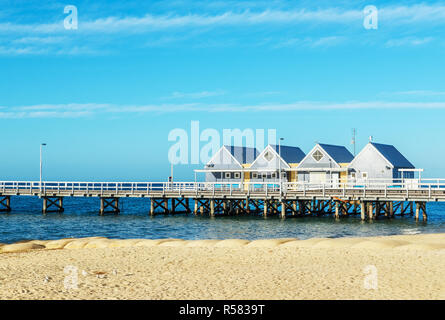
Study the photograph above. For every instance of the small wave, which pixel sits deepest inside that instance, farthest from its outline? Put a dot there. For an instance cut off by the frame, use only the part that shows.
(410, 231)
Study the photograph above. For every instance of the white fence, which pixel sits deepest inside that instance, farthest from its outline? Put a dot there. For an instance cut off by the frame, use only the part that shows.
(147, 187)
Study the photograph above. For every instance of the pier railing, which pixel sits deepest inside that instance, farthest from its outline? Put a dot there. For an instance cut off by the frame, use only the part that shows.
(33, 187)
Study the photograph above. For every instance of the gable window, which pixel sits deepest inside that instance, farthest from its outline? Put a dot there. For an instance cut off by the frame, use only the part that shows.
(237, 175)
(227, 175)
(353, 175)
(317, 155)
(268, 156)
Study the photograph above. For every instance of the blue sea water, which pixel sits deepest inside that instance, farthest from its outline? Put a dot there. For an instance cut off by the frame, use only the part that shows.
(81, 219)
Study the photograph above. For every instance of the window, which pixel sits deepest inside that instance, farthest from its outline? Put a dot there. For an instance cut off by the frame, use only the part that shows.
(364, 175)
(254, 175)
(353, 176)
(237, 175)
(317, 155)
(227, 175)
(274, 175)
(268, 156)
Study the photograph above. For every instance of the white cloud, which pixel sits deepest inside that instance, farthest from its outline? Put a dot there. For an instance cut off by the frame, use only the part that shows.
(90, 109)
(420, 93)
(195, 95)
(408, 41)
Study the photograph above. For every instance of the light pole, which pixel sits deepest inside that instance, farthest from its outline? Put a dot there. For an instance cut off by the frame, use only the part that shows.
(279, 162)
(41, 146)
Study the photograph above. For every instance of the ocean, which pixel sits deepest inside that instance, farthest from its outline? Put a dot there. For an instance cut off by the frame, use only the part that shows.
(81, 219)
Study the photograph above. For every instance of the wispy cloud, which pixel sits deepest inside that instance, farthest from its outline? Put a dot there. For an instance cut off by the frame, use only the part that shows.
(391, 15)
(408, 41)
(420, 93)
(90, 109)
(97, 32)
(195, 95)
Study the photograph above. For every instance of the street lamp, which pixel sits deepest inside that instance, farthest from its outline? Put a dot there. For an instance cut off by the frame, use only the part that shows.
(41, 145)
(279, 161)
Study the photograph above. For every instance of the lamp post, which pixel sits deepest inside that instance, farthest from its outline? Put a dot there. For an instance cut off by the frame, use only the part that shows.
(279, 162)
(41, 165)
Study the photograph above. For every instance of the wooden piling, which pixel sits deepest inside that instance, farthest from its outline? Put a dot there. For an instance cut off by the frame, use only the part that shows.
(417, 211)
(283, 209)
(212, 207)
(265, 208)
(362, 210)
(337, 215)
(152, 207)
(370, 211)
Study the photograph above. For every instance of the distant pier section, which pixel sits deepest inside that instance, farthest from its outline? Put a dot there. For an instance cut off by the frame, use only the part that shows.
(370, 200)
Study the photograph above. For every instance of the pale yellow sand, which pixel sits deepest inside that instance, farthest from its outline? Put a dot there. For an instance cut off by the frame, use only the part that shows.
(396, 267)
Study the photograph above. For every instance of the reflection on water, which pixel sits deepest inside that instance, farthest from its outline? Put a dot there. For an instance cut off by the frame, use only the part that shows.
(81, 219)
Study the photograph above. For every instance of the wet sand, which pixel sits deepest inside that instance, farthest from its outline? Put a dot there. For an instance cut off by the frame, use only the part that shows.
(395, 267)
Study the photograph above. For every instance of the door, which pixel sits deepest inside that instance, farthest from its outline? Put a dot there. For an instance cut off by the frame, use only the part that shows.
(317, 177)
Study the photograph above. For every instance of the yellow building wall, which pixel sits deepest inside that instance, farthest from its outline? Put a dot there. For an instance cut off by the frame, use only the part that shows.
(246, 176)
(344, 174)
(293, 174)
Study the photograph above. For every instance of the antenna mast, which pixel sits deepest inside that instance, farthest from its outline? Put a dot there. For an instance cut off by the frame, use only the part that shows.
(354, 132)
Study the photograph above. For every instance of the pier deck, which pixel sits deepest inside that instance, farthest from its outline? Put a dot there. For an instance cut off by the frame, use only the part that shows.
(284, 198)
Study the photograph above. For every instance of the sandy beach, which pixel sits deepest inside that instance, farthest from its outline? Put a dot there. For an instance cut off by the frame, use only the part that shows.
(394, 267)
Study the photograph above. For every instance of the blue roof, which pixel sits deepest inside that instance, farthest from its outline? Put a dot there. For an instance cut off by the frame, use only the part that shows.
(289, 154)
(243, 154)
(393, 155)
(339, 153)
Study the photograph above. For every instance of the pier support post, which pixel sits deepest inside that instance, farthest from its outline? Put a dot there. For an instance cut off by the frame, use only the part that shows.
(195, 209)
(337, 210)
(362, 210)
(5, 204)
(173, 206)
(187, 206)
(421, 207)
(212, 207)
(370, 211)
(56, 202)
(265, 208)
(112, 203)
(417, 211)
(283, 209)
(247, 206)
(152, 207)
(391, 209)
(166, 206)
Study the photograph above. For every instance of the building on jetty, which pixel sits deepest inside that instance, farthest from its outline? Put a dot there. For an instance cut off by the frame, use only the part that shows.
(229, 163)
(325, 163)
(380, 161)
(325, 181)
(272, 159)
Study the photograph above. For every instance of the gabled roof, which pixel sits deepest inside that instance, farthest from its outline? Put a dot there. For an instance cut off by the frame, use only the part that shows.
(243, 154)
(339, 153)
(289, 154)
(393, 155)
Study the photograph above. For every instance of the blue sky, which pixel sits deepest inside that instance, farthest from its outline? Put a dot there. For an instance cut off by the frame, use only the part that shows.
(105, 96)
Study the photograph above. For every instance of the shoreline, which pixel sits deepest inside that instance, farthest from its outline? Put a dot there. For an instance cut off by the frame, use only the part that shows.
(404, 267)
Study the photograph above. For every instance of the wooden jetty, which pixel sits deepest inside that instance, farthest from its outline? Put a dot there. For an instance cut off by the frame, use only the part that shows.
(369, 201)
